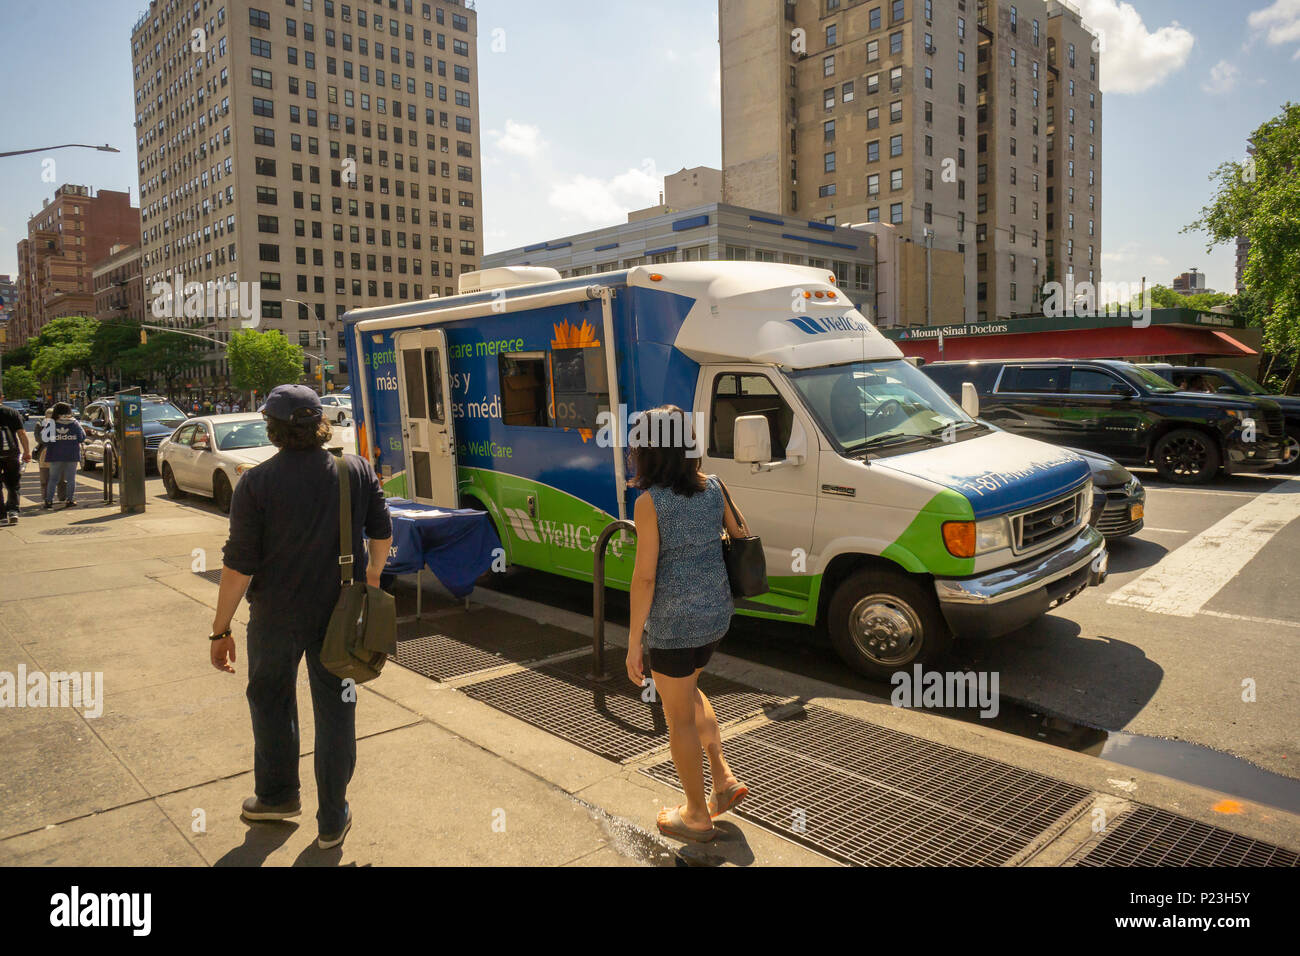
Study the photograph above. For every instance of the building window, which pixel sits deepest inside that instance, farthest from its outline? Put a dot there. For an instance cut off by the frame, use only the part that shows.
(826, 191)
(896, 213)
(896, 145)
(259, 47)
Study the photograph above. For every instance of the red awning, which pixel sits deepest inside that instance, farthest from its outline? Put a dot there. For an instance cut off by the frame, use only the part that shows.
(1117, 343)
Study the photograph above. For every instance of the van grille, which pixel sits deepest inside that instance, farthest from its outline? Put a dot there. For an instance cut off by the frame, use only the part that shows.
(1042, 525)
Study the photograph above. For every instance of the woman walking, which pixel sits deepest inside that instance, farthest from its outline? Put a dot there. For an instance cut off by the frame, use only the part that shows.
(681, 608)
(62, 436)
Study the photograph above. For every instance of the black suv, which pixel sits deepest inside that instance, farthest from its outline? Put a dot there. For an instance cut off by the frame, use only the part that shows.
(1124, 411)
(161, 418)
(1224, 381)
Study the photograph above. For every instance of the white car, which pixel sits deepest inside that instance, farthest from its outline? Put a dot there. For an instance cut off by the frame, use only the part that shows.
(207, 455)
(338, 408)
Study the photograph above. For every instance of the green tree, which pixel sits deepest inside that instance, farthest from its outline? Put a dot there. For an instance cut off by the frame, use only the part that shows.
(20, 383)
(64, 345)
(112, 342)
(1260, 200)
(259, 361)
(163, 357)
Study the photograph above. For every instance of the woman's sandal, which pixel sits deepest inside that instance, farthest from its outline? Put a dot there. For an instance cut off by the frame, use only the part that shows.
(671, 824)
(727, 799)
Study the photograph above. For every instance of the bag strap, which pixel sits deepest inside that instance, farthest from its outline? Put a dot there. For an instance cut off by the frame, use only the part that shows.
(346, 557)
(732, 505)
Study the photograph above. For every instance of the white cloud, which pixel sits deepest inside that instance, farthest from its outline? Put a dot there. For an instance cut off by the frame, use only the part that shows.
(1280, 23)
(520, 139)
(1133, 58)
(1223, 77)
(606, 201)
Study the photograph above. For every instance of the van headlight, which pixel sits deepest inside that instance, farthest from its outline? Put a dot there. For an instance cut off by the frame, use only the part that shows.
(966, 539)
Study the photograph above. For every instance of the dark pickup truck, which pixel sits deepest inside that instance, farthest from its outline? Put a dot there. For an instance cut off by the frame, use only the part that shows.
(1224, 381)
(1124, 411)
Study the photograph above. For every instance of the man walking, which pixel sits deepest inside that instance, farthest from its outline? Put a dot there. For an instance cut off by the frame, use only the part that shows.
(14, 450)
(283, 549)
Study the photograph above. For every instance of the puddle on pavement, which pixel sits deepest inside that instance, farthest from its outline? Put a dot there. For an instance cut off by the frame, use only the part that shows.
(1178, 759)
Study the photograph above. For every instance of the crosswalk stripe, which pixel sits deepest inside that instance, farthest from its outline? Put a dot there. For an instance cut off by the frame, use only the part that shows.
(1187, 578)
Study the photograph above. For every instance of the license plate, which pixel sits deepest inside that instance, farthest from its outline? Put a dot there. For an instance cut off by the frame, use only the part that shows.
(1135, 512)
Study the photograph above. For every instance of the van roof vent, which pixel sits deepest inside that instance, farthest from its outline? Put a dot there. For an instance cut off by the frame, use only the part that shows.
(504, 277)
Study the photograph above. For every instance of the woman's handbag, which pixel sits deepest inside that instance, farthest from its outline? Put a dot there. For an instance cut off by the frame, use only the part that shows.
(746, 565)
(362, 630)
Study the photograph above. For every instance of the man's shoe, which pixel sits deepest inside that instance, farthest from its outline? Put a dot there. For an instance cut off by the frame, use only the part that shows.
(13, 517)
(327, 841)
(48, 505)
(70, 504)
(254, 809)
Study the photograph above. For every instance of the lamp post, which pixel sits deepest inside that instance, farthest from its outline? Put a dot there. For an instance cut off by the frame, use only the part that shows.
(320, 339)
(45, 149)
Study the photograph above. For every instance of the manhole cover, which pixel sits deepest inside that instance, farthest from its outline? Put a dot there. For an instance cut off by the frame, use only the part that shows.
(75, 529)
(873, 796)
(1150, 837)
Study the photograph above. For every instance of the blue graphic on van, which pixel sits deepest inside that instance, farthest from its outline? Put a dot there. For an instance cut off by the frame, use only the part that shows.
(829, 323)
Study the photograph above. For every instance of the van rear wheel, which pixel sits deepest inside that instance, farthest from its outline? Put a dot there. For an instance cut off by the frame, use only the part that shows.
(884, 621)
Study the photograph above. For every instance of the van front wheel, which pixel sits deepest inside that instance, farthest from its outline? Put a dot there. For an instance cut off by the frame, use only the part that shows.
(882, 621)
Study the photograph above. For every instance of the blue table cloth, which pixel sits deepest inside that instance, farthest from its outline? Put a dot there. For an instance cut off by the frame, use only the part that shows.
(456, 545)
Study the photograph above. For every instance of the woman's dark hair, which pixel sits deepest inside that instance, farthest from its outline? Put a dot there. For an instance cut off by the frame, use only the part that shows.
(60, 409)
(299, 436)
(658, 456)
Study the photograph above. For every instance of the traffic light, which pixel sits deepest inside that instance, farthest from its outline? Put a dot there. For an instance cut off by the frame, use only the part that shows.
(320, 374)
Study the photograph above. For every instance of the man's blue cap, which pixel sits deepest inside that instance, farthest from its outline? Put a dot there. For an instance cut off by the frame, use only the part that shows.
(293, 403)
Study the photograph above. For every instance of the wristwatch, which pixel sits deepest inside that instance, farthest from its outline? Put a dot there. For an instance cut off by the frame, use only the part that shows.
(217, 637)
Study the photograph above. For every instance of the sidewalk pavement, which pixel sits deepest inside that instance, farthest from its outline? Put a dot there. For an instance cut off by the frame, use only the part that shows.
(441, 779)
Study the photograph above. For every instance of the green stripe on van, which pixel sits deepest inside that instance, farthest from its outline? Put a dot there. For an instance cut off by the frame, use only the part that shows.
(920, 547)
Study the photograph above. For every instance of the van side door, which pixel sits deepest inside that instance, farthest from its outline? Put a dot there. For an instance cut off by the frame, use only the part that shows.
(424, 388)
(779, 505)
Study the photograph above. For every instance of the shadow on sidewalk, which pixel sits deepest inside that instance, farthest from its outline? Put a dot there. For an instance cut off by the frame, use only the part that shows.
(260, 841)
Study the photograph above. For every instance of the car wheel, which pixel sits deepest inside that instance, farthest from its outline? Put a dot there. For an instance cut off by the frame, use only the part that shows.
(883, 621)
(1293, 450)
(221, 492)
(1187, 457)
(174, 491)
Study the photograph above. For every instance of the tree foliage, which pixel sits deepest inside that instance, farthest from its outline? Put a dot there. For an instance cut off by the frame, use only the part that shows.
(259, 361)
(64, 345)
(1259, 199)
(19, 382)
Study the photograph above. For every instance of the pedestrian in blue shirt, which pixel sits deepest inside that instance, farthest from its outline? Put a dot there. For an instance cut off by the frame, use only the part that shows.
(62, 436)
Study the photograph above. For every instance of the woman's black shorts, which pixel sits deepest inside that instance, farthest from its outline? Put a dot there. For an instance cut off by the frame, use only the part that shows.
(681, 661)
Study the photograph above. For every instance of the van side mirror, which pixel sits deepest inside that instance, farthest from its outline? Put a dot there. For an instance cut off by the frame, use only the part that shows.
(752, 441)
(970, 400)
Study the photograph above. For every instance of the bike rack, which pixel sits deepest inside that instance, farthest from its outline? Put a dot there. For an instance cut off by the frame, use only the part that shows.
(109, 468)
(598, 597)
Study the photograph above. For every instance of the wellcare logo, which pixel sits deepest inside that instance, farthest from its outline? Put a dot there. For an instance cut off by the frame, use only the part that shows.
(558, 534)
(820, 325)
(73, 909)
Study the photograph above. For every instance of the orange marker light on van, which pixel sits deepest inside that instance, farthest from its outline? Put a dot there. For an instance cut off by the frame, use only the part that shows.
(830, 295)
(820, 295)
(831, 279)
(959, 538)
(655, 277)
(807, 295)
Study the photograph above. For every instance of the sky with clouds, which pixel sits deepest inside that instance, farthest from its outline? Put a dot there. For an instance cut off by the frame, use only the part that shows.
(587, 104)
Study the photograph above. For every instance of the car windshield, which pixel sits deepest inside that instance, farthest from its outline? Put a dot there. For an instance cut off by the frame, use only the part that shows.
(1148, 379)
(866, 404)
(249, 434)
(160, 411)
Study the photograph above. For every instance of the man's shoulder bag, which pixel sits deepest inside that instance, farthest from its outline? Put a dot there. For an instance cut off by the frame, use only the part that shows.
(363, 628)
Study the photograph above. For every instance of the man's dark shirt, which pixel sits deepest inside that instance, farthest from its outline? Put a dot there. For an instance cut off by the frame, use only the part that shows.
(11, 424)
(284, 532)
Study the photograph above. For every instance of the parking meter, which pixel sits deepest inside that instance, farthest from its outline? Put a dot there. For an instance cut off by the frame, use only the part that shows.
(129, 428)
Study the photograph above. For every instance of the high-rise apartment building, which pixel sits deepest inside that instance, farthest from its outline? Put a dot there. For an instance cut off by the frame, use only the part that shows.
(935, 116)
(65, 240)
(328, 152)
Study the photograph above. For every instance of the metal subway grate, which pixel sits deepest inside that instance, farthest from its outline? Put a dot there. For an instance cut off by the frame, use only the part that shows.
(471, 641)
(1149, 837)
(72, 529)
(607, 718)
(871, 796)
(212, 577)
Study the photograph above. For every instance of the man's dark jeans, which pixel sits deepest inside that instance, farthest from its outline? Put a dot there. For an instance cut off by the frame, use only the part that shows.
(274, 654)
(11, 470)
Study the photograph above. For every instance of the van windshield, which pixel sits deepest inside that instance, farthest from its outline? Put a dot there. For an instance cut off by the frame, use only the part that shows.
(869, 404)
